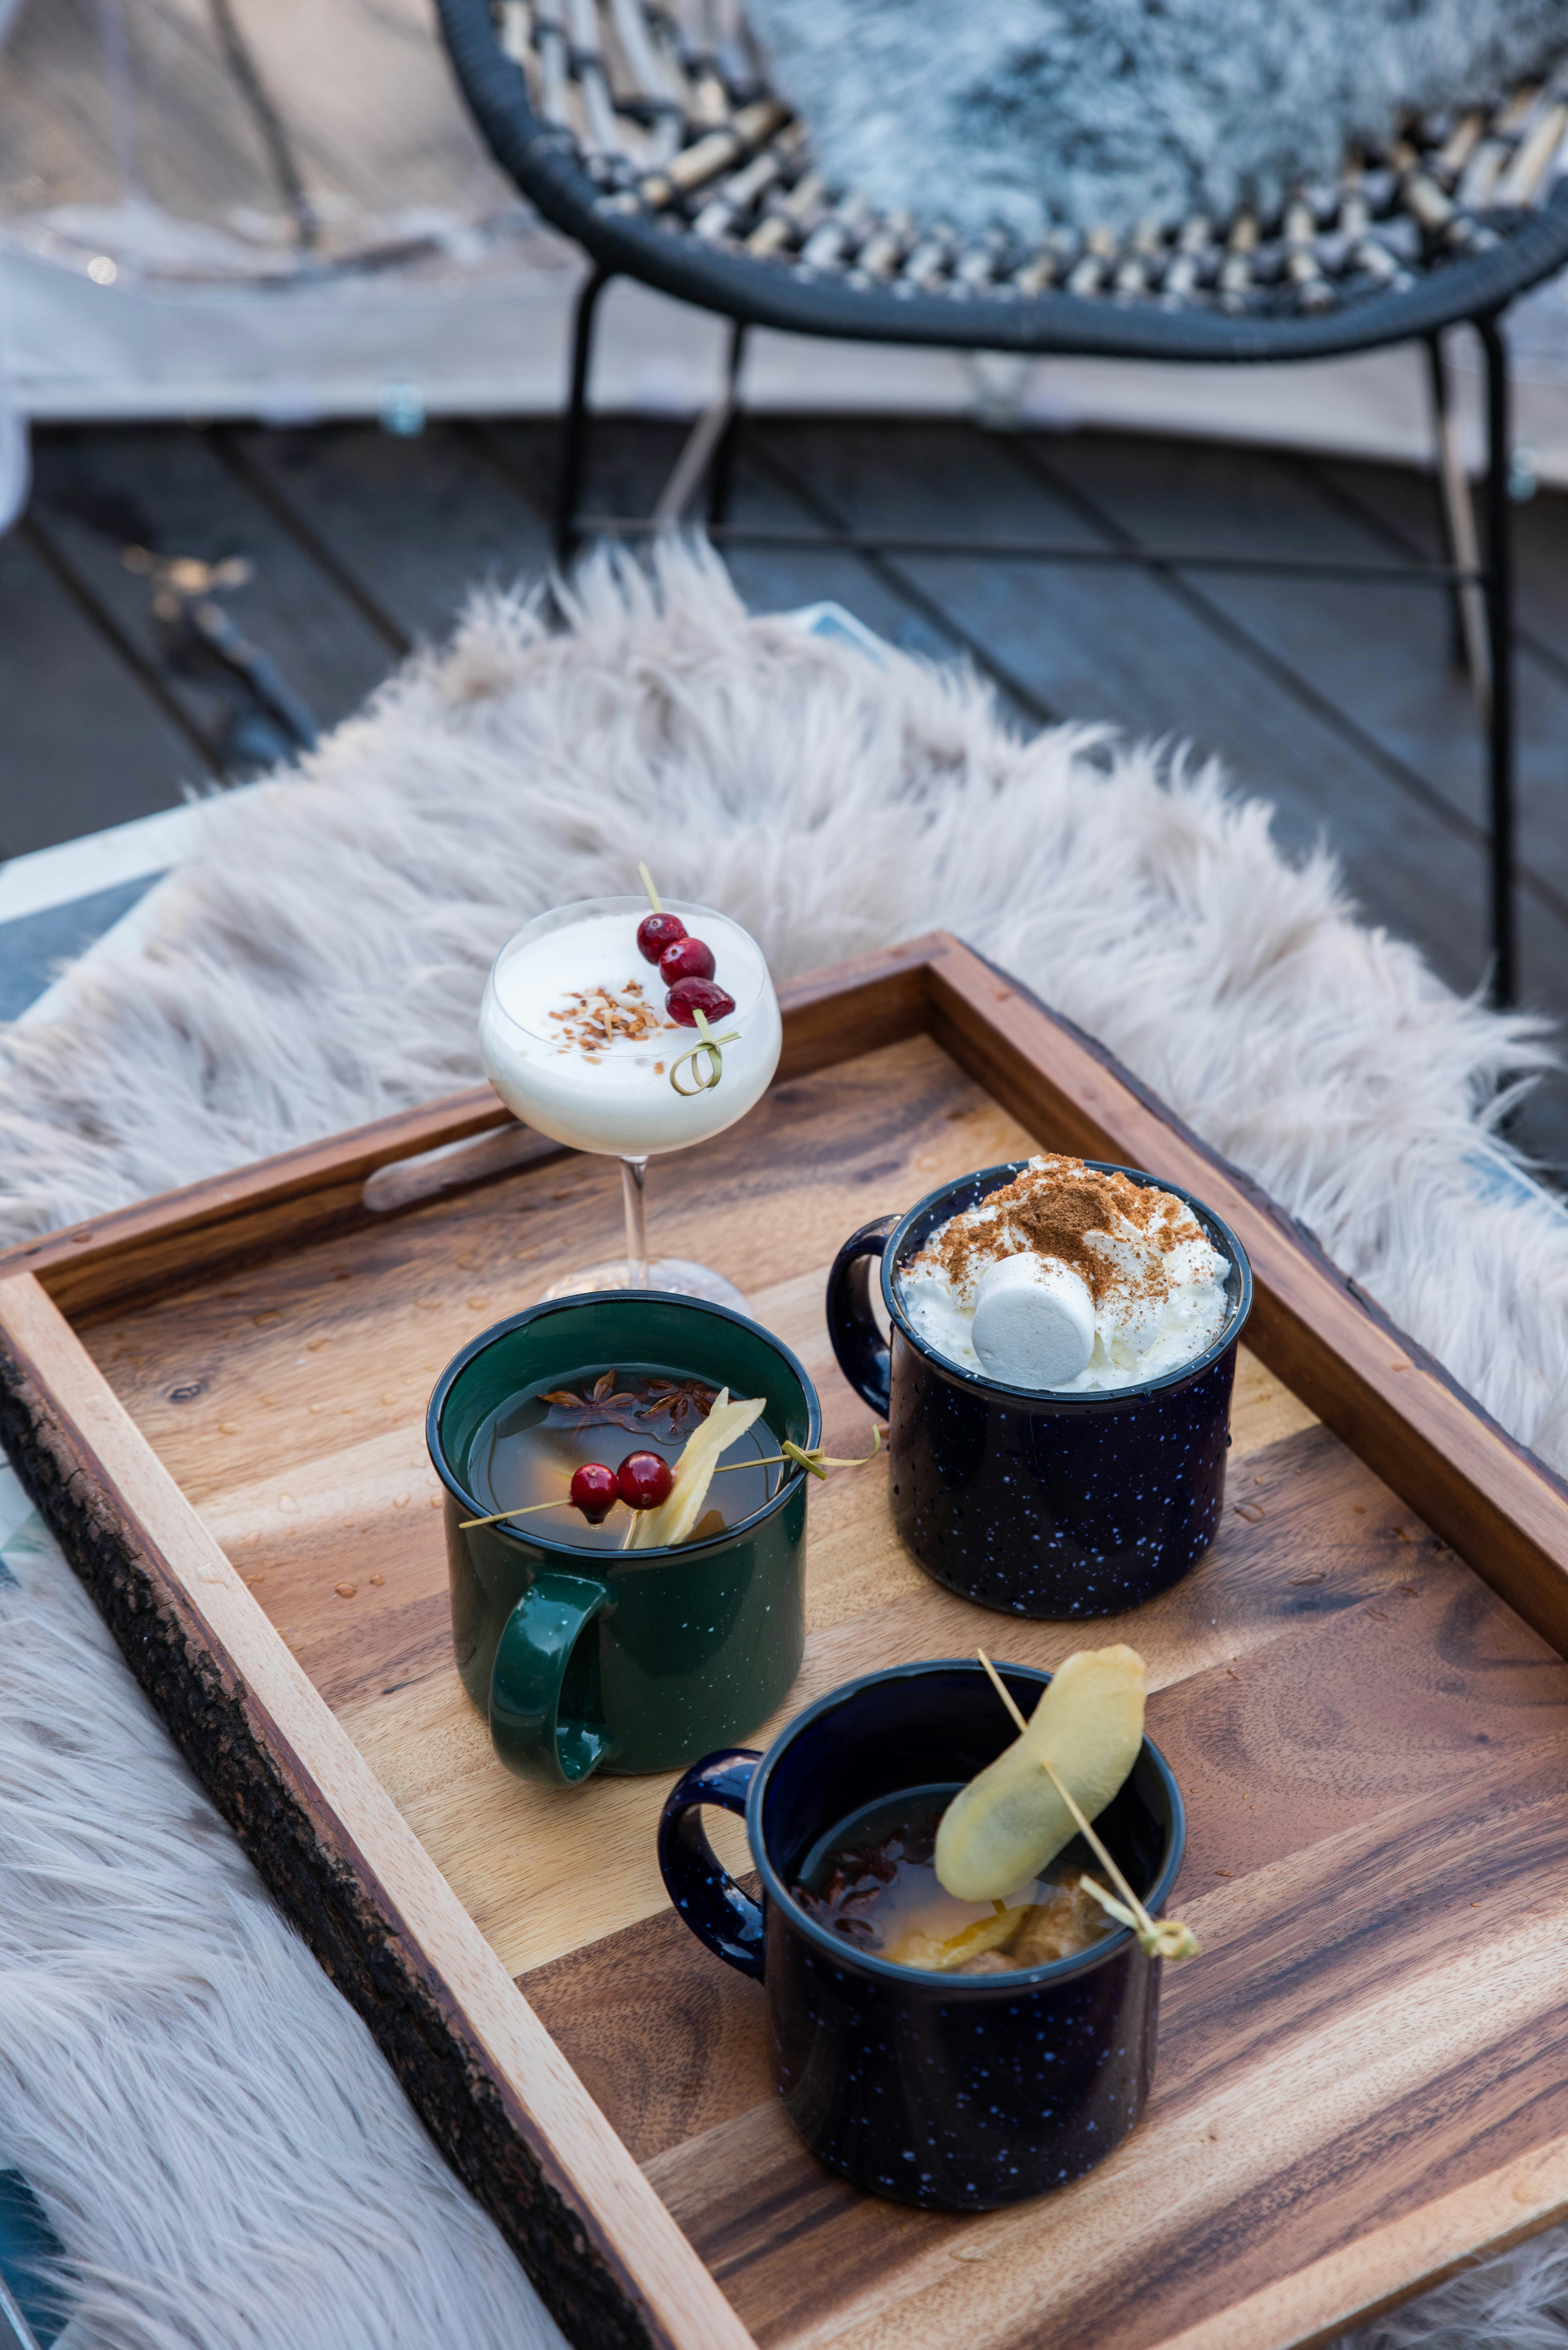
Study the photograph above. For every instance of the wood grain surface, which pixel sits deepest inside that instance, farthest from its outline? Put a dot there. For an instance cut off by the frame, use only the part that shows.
(1370, 1743)
(494, 2090)
(1361, 2080)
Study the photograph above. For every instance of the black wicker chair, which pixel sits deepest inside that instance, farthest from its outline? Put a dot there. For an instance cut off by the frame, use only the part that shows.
(647, 132)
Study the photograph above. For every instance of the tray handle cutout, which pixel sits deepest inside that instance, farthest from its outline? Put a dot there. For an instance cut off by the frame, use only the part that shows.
(454, 1167)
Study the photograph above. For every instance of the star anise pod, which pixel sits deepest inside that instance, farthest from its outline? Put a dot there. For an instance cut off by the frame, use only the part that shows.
(683, 1402)
(686, 1400)
(601, 1406)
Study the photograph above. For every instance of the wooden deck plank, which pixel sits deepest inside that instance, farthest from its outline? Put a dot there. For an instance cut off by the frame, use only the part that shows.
(83, 744)
(1106, 644)
(631, 460)
(96, 490)
(1379, 653)
(421, 522)
(1120, 646)
(1404, 504)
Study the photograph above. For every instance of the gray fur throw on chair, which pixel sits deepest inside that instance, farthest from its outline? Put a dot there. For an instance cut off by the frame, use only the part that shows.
(1023, 114)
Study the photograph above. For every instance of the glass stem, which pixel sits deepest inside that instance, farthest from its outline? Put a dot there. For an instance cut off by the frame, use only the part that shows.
(633, 1177)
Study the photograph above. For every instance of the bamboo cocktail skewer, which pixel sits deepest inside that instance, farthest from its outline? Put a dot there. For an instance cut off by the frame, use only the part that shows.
(817, 1461)
(1159, 1938)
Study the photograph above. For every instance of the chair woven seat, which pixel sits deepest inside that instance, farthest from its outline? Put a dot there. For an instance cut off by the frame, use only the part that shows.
(652, 139)
(646, 131)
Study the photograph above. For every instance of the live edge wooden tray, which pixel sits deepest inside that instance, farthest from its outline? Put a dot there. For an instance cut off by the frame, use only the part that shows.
(1362, 2083)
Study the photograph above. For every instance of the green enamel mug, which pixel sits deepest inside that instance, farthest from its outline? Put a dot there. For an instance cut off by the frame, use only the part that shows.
(589, 1660)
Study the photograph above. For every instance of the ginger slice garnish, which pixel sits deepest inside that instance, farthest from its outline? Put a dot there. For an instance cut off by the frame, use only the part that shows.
(676, 1516)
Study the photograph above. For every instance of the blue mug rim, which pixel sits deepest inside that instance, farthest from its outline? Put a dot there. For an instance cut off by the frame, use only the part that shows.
(1055, 1398)
(958, 1986)
(598, 1562)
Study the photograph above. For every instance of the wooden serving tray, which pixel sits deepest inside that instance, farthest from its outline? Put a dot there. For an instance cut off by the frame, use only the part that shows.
(217, 1399)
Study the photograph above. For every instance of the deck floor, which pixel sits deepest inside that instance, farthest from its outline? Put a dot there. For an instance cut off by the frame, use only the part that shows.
(1341, 704)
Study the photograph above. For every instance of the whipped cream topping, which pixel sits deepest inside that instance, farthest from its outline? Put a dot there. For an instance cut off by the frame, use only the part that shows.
(578, 1044)
(1126, 1285)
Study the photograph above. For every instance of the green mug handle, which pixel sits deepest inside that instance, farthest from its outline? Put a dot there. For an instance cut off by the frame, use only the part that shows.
(526, 1679)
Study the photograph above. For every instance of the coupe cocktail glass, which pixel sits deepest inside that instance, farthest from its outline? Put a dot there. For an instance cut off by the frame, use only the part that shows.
(619, 1099)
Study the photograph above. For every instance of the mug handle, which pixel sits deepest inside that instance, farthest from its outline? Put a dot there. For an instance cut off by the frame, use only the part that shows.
(863, 1357)
(526, 1726)
(706, 1896)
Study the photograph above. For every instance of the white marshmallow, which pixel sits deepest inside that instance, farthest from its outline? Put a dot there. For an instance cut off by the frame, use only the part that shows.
(1166, 1301)
(1033, 1321)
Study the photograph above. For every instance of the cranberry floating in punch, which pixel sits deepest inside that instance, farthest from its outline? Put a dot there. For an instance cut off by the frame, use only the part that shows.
(644, 1480)
(583, 1044)
(595, 1490)
(633, 1633)
(1057, 1380)
(625, 1619)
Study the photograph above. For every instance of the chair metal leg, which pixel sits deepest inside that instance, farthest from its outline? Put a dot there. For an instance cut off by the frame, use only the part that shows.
(723, 468)
(1498, 591)
(575, 436)
(1457, 517)
(705, 454)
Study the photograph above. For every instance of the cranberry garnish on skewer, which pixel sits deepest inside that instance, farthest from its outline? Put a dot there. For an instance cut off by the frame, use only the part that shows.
(644, 1480)
(657, 933)
(595, 1491)
(687, 959)
(688, 997)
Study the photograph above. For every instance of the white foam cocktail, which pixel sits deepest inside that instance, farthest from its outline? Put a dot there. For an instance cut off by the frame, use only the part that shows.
(578, 1044)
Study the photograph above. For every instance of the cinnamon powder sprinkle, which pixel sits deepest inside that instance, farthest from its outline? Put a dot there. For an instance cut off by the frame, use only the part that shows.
(592, 1018)
(1060, 1208)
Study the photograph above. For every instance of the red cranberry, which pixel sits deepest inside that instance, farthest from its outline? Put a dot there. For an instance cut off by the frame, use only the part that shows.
(595, 1491)
(688, 997)
(644, 1480)
(656, 932)
(687, 959)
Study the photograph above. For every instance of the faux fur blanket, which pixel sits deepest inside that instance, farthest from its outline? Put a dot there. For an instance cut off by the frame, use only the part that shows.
(210, 2129)
(1022, 113)
(321, 960)
(213, 2132)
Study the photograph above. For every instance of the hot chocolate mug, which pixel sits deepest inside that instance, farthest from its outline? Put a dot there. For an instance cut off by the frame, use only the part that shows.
(634, 1661)
(1032, 1502)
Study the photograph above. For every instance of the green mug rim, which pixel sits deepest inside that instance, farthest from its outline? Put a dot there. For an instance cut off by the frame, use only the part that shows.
(599, 1562)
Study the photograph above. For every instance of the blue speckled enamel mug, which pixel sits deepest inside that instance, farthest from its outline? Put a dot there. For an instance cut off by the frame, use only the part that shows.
(958, 2093)
(1033, 1503)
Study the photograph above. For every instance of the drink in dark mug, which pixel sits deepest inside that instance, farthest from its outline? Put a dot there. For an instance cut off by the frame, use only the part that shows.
(1077, 1500)
(958, 2090)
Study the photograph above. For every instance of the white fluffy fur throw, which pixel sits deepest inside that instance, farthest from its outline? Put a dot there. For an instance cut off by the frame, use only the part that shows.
(207, 2121)
(1112, 112)
(320, 962)
(212, 2133)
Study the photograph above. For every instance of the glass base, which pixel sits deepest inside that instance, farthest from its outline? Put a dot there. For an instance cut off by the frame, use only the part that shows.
(677, 1272)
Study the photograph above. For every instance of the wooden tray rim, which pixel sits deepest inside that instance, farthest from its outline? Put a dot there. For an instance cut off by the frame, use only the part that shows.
(498, 2096)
